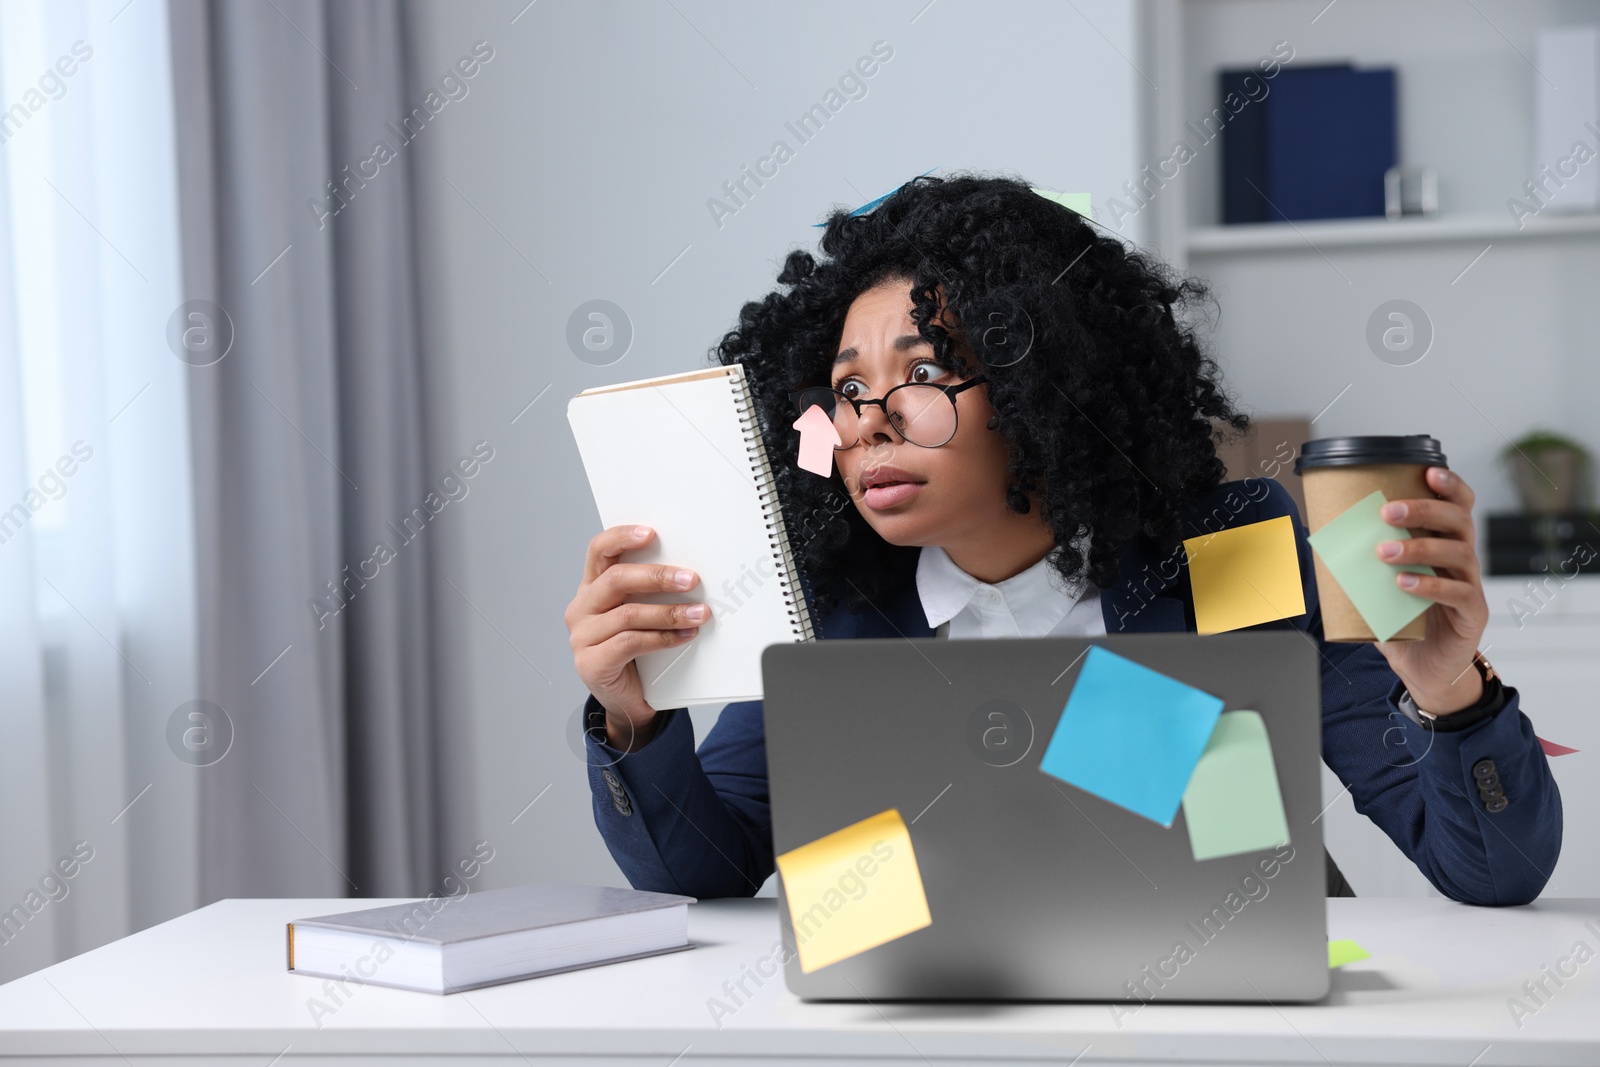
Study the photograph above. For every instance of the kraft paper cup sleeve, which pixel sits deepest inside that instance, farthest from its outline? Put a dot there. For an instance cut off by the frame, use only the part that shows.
(1331, 490)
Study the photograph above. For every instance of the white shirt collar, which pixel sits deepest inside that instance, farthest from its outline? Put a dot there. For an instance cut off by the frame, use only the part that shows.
(1030, 603)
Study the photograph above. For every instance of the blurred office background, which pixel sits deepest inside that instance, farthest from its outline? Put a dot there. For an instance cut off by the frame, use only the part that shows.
(292, 296)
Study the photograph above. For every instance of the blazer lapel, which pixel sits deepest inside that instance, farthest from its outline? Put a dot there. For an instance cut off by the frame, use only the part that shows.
(900, 615)
(1153, 596)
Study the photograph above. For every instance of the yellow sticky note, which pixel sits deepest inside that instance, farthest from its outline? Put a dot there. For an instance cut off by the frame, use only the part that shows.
(1245, 576)
(852, 890)
(1343, 952)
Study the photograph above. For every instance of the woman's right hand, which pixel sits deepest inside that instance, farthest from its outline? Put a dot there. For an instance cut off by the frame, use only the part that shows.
(609, 631)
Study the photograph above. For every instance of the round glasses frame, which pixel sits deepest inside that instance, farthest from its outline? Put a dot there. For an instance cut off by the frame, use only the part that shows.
(797, 397)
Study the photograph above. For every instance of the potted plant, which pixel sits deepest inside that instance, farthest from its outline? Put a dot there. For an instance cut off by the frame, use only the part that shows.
(1551, 472)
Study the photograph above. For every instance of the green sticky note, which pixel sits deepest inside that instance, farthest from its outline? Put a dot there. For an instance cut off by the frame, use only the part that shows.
(1343, 952)
(1078, 202)
(1232, 803)
(1349, 547)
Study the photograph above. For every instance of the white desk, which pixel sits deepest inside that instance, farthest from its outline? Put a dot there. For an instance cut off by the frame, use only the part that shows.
(212, 985)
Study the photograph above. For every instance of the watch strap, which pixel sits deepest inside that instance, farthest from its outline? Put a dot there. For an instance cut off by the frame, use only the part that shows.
(1489, 702)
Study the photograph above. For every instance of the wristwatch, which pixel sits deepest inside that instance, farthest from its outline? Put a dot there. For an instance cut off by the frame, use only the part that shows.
(1492, 700)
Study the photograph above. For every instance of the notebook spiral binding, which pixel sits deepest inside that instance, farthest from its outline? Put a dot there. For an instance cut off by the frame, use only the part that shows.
(771, 508)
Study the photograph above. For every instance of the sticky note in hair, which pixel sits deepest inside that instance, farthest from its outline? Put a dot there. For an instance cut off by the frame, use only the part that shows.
(1078, 202)
(853, 890)
(871, 205)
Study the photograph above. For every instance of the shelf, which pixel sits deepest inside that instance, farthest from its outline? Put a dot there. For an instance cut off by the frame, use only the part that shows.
(1345, 233)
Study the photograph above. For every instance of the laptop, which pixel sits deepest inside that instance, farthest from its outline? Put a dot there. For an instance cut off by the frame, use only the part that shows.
(1038, 890)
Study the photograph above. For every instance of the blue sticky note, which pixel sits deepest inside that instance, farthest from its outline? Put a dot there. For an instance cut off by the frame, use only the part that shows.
(870, 205)
(1131, 735)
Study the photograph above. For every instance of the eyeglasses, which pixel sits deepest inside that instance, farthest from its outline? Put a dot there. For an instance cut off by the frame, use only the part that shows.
(922, 413)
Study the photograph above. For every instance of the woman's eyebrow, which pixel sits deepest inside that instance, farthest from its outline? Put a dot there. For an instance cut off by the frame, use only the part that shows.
(901, 343)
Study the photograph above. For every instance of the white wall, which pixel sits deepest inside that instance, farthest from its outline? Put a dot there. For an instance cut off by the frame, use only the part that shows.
(578, 167)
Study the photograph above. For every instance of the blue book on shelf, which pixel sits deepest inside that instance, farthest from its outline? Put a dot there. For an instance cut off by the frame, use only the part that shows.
(1244, 147)
(1330, 135)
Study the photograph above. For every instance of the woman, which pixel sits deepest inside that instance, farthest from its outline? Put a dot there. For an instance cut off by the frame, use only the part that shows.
(1045, 489)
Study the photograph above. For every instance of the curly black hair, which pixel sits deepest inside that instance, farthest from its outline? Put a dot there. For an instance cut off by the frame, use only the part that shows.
(1109, 406)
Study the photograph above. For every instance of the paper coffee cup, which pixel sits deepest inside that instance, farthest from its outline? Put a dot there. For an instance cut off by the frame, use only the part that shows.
(1337, 472)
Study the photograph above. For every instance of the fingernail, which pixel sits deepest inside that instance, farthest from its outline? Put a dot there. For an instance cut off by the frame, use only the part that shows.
(697, 613)
(1444, 476)
(1389, 549)
(684, 578)
(641, 532)
(1394, 511)
(1408, 580)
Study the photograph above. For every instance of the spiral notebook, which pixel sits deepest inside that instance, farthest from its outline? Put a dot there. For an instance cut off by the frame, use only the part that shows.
(683, 454)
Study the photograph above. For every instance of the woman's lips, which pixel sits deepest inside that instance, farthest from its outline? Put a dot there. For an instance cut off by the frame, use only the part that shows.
(889, 495)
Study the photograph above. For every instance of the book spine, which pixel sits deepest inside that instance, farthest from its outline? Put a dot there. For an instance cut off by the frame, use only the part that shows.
(771, 509)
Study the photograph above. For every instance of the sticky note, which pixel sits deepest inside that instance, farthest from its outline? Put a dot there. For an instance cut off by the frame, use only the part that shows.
(1553, 749)
(1130, 735)
(818, 438)
(1349, 547)
(854, 889)
(1078, 202)
(1245, 576)
(1343, 952)
(867, 208)
(1233, 804)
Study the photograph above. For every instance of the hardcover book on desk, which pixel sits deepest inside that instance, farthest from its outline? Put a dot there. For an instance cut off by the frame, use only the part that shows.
(447, 944)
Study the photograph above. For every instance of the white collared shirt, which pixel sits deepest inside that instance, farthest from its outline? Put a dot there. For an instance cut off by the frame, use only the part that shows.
(1030, 604)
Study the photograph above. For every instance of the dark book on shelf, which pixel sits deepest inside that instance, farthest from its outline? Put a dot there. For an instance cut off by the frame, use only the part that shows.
(1330, 138)
(1244, 146)
(1314, 145)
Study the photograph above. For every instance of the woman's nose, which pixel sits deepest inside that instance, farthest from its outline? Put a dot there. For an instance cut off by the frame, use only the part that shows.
(873, 423)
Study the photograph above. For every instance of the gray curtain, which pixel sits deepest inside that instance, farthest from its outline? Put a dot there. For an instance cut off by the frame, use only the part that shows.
(309, 451)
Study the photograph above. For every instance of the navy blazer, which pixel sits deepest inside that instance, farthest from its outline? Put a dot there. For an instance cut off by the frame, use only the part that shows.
(699, 824)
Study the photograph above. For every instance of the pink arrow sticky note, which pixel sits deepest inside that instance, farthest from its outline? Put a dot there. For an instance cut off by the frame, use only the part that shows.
(1553, 749)
(818, 438)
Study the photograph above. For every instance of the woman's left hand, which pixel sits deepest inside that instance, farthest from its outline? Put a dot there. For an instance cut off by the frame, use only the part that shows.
(1437, 670)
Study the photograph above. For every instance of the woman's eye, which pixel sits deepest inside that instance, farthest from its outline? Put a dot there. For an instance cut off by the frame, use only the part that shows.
(935, 370)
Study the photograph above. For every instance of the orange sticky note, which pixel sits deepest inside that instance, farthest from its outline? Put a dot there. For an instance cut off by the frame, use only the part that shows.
(818, 438)
(1245, 576)
(854, 889)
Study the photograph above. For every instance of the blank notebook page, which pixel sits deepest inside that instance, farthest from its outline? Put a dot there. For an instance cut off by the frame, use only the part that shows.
(672, 453)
